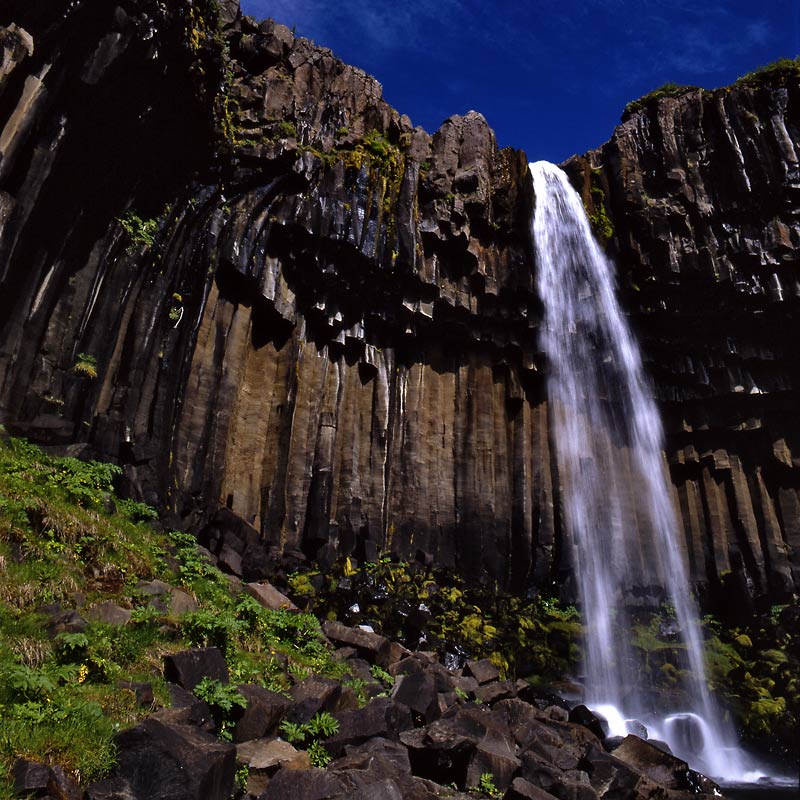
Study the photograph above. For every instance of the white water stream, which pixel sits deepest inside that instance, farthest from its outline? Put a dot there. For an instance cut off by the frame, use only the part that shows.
(621, 524)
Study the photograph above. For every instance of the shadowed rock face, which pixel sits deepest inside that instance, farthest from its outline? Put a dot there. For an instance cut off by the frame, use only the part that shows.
(704, 194)
(334, 330)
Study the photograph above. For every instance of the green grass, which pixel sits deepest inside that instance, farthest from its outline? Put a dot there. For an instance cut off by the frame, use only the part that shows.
(666, 90)
(777, 72)
(67, 538)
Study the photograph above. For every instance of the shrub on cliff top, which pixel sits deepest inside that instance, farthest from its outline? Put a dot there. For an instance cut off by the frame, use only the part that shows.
(666, 90)
(776, 72)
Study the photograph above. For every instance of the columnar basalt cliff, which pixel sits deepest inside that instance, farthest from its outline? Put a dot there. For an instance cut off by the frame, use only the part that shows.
(703, 193)
(299, 306)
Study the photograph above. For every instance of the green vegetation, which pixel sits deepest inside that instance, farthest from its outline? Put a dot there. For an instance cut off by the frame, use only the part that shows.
(209, 64)
(667, 90)
(142, 232)
(176, 308)
(223, 699)
(85, 366)
(285, 130)
(598, 216)
(308, 735)
(778, 72)
(487, 786)
(380, 674)
(68, 542)
(755, 668)
(528, 637)
(383, 160)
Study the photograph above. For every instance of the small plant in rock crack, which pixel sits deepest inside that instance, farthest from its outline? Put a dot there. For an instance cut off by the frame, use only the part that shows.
(309, 733)
(318, 755)
(223, 700)
(486, 785)
(380, 674)
(85, 366)
(242, 776)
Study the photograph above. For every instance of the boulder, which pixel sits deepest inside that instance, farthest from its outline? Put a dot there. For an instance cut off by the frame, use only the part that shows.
(65, 622)
(312, 695)
(169, 761)
(269, 597)
(141, 690)
(230, 561)
(181, 603)
(188, 667)
(466, 684)
(386, 789)
(372, 646)
(30, 776)
(586, 717)
(306, 784)
(418, 692)
(379, 718)
(153, 588)
(576, 790)
(607, 773)
(266, 754)
(109, 613)
(653, 762)
(379, 748)
(262, 715)
(495, 690)
(61, 786)
(495, 755)
(521, 789)
(483, 671)
(406, 666)
(443, 751)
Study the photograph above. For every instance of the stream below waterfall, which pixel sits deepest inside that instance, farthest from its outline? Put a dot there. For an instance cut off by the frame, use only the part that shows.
(622, 531)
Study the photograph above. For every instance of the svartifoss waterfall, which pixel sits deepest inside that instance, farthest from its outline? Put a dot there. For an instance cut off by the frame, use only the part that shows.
(621, 525)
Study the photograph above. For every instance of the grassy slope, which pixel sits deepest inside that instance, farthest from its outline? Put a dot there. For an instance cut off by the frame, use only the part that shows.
(66, 539)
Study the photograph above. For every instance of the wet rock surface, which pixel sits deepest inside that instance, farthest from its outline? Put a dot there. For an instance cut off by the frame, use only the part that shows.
(321, 319)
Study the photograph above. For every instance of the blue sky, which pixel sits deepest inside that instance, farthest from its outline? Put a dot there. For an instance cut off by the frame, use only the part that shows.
(551, 76)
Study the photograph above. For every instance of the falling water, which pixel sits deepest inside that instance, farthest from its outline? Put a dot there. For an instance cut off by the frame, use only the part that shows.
(621, 524)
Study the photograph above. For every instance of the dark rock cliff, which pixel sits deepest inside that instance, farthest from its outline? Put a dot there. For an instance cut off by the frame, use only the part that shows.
(703, 193)
(253, 283)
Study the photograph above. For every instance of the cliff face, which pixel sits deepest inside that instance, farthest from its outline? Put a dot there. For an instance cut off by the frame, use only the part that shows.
(299, 306)
(703, 192)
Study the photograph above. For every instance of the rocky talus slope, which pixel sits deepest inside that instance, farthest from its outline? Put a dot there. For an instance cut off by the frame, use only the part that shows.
(281, 297)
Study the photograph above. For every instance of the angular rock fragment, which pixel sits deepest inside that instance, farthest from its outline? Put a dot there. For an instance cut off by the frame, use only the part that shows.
(162, 760)
(188, 667)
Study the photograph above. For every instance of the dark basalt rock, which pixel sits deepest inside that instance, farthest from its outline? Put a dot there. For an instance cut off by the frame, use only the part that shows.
(30, 776)
(335, 324)
(380, 718)
(310, 784)
(653, 762)
(521, 789)
(174, 761)
(370, 646)
(312, 695)
(262, 715)
(586, 717)
(188, 667)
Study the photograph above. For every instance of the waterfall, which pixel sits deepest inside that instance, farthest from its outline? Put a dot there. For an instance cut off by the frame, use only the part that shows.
(621, 528)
